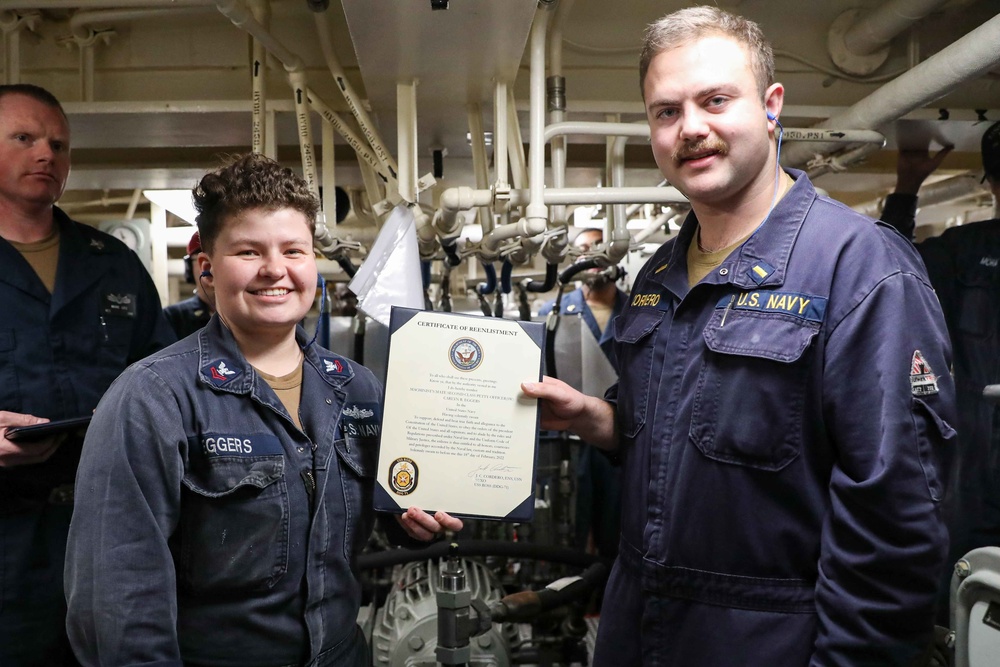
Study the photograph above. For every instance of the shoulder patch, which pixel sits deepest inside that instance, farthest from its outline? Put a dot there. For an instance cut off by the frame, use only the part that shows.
(334, 366)
(220, 372)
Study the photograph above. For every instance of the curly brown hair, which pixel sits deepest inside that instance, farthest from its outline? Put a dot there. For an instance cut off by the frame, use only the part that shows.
(246, 182)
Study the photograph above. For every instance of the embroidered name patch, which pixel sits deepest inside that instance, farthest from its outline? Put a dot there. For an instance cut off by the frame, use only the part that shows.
(233, 444)
(802, 306)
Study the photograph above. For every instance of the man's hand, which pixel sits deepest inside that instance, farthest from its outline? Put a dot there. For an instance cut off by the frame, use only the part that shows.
(566, 409)
(420, 525)
(914, 166)
(24, 453)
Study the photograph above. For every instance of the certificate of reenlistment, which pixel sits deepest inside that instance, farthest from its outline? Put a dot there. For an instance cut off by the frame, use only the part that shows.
(457, 433)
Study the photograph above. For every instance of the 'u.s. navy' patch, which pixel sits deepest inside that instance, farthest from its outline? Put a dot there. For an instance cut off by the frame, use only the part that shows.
(221, 372)
(802, 306)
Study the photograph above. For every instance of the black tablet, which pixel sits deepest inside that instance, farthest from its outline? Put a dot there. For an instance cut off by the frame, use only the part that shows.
(39, 431)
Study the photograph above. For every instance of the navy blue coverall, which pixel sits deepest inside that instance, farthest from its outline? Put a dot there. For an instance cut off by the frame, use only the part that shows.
(209, 530)
(59, 352)
(187, 316)
(783, 425)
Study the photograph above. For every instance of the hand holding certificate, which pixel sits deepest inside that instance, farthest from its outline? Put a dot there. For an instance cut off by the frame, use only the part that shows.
(457, 433)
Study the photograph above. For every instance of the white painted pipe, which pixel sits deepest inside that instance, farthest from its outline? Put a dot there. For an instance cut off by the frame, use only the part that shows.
(354, 103)
(834, 136)
(303, 123)
(463, 198)
(536, 212)
(515, 146)
(877, 28)
(406, 133)
(360, 146)
(237, 12)
(99, 4)
(479, 165)
(500, 135)
(258, 78)
(945, 191)
(967, 58)
(328, 175)
(10, 23)
(595, 129)
(556, 105)
(824, 165)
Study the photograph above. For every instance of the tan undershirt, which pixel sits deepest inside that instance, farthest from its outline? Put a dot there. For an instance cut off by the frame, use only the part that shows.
(288, 389)
(43, 256)
(601, 313)
(700, 264)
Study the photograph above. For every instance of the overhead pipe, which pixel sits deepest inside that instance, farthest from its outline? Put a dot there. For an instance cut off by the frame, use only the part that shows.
(360, 146)
(515, 145)
(406, 133)
(477, 140)
(555, 95)
(945, 191)
(500, 137)
(859, 44)
(11, 23)
(86, 36)
(536, 214)
(100, 4)
(258, 78)
(967, 58)
(354, 103)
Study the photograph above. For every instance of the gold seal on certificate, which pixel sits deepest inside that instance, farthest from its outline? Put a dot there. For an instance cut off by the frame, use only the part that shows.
(457, 434)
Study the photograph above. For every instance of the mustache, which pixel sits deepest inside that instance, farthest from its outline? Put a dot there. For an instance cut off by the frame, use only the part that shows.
(708, 145)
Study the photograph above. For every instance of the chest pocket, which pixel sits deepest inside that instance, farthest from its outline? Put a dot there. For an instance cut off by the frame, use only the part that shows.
(750, 397)
(358, 460)
(978, 301)
(635, 333)
(234, 525)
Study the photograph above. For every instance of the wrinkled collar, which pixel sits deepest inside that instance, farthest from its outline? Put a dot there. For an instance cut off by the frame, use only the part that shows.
(223, 367)
(762, 260)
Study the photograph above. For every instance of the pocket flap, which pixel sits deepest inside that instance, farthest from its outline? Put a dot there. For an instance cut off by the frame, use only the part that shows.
(363, 460)
(763, 335)
(638, 324)
(221, 477)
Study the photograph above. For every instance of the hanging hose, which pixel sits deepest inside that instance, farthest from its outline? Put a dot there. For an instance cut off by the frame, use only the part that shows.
(445, 288)
(491, 281)
(551, 273)
(346, 264)
(524, 308)
(506, 270)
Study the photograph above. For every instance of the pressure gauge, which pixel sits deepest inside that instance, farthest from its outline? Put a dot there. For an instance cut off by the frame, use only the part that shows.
(128, 234)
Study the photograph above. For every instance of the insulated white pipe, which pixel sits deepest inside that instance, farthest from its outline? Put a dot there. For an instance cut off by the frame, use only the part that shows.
(556, 104)
(595, 128)
(258, 77)
(328, 176)
(834, 136)
(237, 12)
(297, 78)
(354, 103)
(515, 146)
(537, 213)
(500, 135)
(941, 192)
(406, 131)
(968, 58)
(463, 199)
(876, 29)
(479, 166)
(360, 146)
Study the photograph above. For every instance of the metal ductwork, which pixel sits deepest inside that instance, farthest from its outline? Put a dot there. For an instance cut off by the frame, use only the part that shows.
(968, 58)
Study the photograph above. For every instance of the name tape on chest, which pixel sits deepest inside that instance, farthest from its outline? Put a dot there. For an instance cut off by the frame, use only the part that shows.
(212, 445)
(802, 306)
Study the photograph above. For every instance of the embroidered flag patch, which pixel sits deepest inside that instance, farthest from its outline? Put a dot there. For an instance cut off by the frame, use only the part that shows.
(923, 381)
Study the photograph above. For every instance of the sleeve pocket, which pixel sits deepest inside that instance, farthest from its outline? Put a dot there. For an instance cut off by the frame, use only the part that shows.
(935, 446)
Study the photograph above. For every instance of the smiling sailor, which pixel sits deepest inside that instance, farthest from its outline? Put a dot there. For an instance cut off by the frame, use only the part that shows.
(226, 482)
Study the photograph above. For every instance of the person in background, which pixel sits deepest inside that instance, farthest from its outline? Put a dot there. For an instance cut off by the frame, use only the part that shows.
(193, 313)
(964, 267)
(226, 482)
(598, 506)
(78, 308)
(784, 404)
